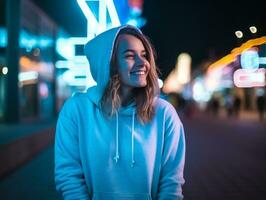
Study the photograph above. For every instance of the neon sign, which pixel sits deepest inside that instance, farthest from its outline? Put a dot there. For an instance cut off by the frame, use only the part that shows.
(246, 78)
(95, 27)
(250, 59)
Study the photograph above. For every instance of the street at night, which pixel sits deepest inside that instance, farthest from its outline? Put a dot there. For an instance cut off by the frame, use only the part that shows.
(226, 159)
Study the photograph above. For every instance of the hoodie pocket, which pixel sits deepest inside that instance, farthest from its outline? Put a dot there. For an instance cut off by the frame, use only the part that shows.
(120, 196)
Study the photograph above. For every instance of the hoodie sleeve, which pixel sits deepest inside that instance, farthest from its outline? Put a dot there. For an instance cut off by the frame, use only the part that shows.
(173, 159)
(69, 178)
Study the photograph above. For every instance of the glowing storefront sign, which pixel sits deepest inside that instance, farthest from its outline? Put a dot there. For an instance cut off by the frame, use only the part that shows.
(246, 78)
(25, 76)
(27, 40)
(250, 59)
(180, 75)
(95, 27)
(184, 68)
(200, 92)
(3, 37)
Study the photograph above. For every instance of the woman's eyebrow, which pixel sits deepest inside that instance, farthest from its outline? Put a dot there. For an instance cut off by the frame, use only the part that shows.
(128, 50)
(132, 51)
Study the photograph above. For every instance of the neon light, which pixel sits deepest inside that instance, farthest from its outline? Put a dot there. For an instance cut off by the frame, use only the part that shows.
(78, 77)
(79, 73)
(91, 20)
(25, 76)
(183, 68)
(136, 3)
(30, 41)
(246, 78)
(113, 14)
(63, 64)
(250, 59)
(132, 22)
(78, 40)
(93, 26)
(3, 37)
(138, 22)
(102, 14)
(5, 70)
(43, 90)
(262, 60)
(65, 48)
(179, 76)
(200, 93)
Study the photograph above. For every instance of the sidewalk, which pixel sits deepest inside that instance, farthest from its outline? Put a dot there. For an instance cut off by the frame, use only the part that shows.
(32, 181)
(26, 161)
(11, 132)
(19, 143)
(244, 116)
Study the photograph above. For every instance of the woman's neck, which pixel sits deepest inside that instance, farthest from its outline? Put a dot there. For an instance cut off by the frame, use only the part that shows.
(126, 95)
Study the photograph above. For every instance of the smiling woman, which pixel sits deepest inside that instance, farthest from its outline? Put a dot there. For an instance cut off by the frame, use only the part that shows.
(120, 140)
(133, 66)
(133, 73)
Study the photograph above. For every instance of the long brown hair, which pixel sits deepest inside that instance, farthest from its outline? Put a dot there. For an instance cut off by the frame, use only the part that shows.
(144, 96)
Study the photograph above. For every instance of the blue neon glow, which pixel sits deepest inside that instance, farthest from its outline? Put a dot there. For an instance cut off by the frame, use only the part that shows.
(250, 59)
(94, 26)
(200, 92)
(27, 40)
(262, 60)
(65, 48)
(3, 37)
(30, 41)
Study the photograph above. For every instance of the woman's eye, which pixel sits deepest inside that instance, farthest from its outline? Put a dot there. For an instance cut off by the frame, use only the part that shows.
(129, 56)
(144, 55)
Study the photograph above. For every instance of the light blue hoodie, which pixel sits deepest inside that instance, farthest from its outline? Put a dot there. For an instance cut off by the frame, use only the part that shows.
(116, 158)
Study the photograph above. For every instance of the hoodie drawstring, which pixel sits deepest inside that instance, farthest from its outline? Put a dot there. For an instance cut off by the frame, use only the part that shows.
(116, 157)
(132, 139)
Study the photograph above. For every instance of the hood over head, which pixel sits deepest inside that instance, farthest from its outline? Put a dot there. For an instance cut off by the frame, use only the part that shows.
(99, 52)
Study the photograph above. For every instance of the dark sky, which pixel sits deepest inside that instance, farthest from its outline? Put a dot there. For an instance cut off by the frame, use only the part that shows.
(174, 26)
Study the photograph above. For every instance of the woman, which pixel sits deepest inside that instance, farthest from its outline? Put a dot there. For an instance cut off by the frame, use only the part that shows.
(119, 140)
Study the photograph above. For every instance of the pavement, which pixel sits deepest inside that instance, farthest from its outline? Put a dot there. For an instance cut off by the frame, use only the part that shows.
(26, 160)
(225, 159)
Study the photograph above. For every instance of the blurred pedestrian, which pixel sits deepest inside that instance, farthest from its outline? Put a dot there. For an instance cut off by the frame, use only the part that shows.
(120, 140)
(215, 105)
(236, 105)
(229, 105)
(261, 106)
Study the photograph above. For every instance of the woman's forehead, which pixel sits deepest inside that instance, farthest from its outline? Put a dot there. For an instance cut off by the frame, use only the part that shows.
(127, 41)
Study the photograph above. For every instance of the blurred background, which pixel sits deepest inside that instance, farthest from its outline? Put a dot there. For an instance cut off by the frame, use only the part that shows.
(211, 56)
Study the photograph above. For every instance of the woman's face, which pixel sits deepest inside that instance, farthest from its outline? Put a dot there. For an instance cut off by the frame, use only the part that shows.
(133, 66)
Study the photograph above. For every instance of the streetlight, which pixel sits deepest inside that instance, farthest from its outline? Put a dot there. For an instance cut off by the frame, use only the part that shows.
(5, 70)
(239, 34)
(253, 29)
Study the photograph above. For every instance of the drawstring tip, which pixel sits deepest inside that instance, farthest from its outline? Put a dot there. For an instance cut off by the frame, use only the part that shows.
(133, 163)
(116, 158)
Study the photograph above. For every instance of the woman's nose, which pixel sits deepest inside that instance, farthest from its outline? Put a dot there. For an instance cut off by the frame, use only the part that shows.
(141, 60)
